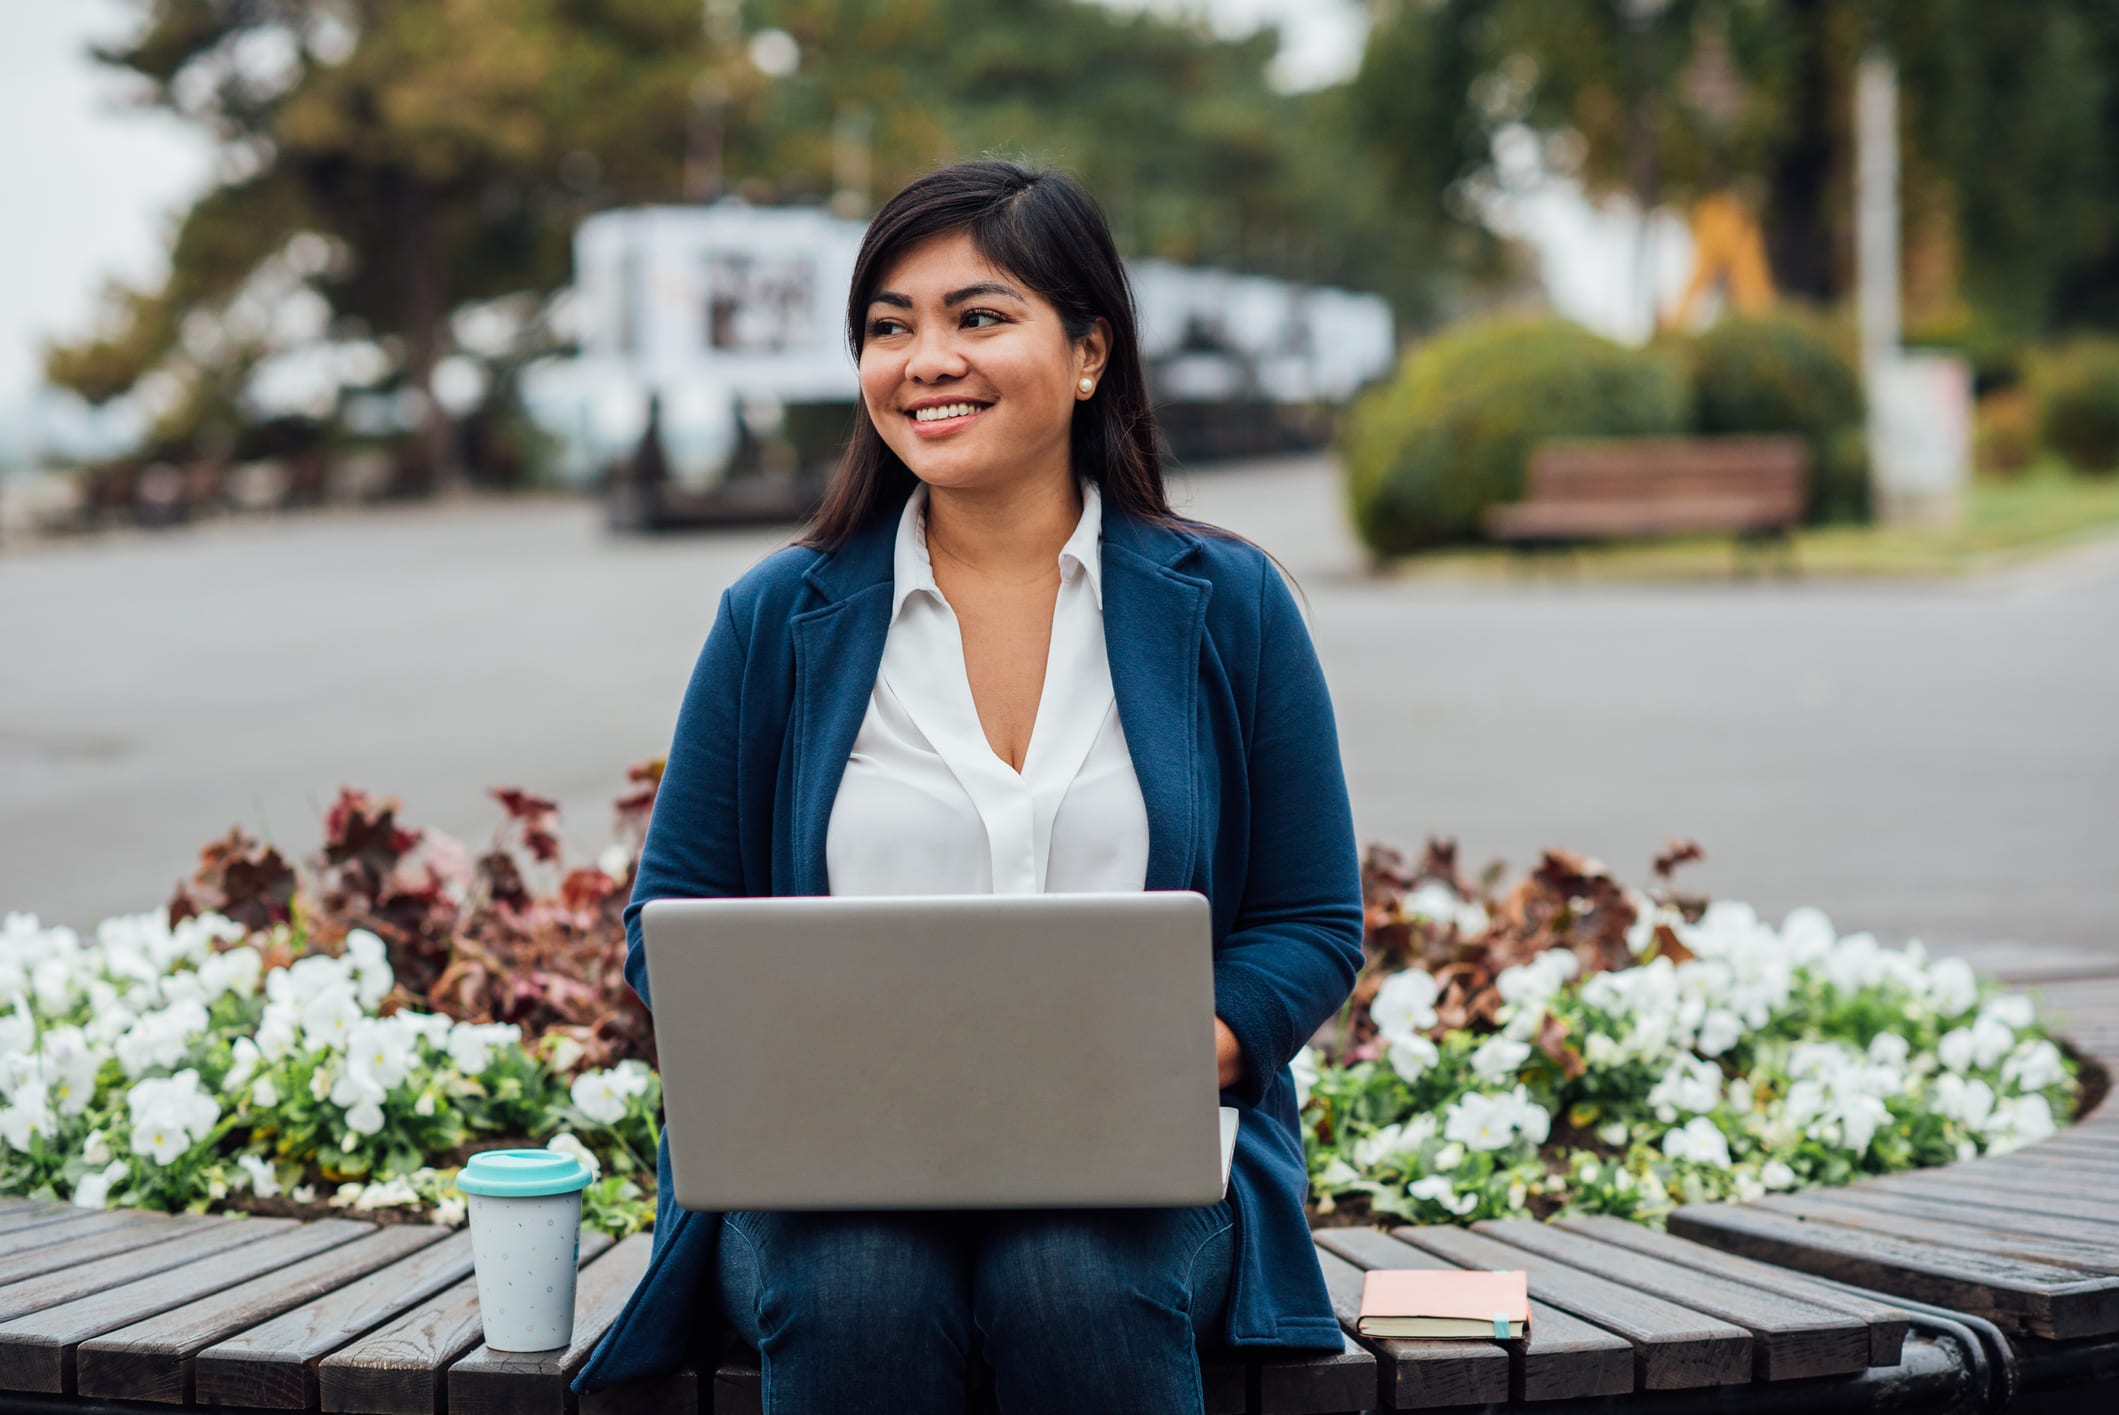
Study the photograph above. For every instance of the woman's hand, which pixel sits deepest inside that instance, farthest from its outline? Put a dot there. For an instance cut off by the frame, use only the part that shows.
(1228, 1056)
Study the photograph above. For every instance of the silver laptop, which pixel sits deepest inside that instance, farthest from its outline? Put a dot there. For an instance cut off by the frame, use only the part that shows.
(960, 1051)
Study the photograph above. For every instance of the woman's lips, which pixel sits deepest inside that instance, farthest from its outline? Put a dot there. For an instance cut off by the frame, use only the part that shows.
(942, 427)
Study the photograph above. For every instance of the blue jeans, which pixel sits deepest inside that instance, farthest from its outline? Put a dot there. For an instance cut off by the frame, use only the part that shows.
(1072, 1309)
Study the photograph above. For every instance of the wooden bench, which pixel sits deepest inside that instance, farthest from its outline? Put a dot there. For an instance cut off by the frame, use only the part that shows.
(1606, 489)
(1737, 1303)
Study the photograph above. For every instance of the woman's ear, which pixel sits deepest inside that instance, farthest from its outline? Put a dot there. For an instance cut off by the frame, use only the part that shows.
(1093, 352)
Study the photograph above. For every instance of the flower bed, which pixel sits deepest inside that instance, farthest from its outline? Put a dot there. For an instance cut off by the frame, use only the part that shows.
(344, 1036)
(1576, 1047)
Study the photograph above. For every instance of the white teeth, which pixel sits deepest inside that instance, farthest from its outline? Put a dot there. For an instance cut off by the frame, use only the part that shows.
(945, 410)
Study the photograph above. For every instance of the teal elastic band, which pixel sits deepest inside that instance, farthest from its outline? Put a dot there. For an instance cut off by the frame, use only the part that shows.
(1500, 1327)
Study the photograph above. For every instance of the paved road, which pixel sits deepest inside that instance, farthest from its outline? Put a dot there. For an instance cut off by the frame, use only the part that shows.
(1934, 759)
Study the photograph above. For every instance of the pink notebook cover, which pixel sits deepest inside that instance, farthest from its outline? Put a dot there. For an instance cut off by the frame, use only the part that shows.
(1476, 1296)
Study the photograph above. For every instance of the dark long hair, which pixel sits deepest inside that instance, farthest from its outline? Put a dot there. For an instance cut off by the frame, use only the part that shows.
(1044, 229)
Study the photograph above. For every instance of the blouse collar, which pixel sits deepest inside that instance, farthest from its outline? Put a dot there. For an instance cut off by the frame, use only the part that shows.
(913, 568)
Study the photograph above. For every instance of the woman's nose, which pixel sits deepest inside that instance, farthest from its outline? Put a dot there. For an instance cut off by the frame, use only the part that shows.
(934, 355)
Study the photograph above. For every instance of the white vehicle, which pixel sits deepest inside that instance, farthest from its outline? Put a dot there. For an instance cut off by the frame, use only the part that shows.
(720, 330)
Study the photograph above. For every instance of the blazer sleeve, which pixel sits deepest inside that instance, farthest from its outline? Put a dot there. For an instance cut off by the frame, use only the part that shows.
(693, 849)
(1291, 956)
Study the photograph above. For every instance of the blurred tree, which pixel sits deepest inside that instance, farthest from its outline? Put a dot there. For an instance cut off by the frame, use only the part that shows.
(2010, 129)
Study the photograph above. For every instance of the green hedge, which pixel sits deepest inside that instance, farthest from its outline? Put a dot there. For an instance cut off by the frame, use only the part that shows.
(1785, 373)
(2076, 389)
(1451, 432)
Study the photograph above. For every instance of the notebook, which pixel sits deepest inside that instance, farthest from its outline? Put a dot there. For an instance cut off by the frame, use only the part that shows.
(1414, 1303)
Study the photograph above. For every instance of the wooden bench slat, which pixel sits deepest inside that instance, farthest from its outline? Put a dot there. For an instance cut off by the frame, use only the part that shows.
(1970, 1183)
(1985, 1217)
(2040, 1299)
(36, 1213)
(91, 1222)
(272, 1366)
(1790, 1338)
(397, 1368)
(1674, 1347)
(676, 1393)
(1415, 1375)
(1551, 520)
(50, 1288)
(2091, 1257)
(1563, 1357)
(150, 1231)
(37, 1349)
(152, 1359)
(1887, 1325)
(489, 1382)
(1317, 1385)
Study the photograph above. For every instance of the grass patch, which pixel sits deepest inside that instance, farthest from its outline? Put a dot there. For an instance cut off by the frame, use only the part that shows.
(2004, 521)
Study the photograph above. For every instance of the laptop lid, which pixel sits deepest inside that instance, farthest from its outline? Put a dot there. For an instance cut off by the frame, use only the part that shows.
(961, 1051)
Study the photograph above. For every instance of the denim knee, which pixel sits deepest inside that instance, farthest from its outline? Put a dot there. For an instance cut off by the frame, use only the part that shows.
(854, 1280)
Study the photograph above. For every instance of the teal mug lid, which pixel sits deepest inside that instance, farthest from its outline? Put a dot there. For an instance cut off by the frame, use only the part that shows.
(522, 1174)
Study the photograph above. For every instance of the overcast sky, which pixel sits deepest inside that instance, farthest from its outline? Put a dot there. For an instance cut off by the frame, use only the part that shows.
(91, 184)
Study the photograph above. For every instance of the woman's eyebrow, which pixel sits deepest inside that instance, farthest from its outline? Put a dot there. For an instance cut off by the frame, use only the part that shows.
(953, 298)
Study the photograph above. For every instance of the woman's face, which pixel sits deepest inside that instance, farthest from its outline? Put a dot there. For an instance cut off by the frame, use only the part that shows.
(967, 373)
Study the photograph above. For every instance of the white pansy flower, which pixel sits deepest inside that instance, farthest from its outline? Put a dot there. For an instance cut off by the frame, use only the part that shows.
(1449, 1156)
(1478, 1121)
(329, 1017)
(382, 1050)
(369, 962)
(471, 1044)
(365, 1118)
(1889, 1049)
(566, 1143)
(1690, 1087)
(615, 861)
(1531, 1120)
(1337, 1174)
(2034, 1066)
(1969, 1103)
(562, 1052)
(1700, 1141)
(95, 1148)
(236, 971)
(27, 1118)
(70, 1066)
(601, 1096)
(1380, 1147)
(264, 1094)
(1776, 1175)
(1720, 1030)
(2019, 1121)
(1302, 1069)
(1980, 1046)
(1950, 987)
(1411, 1056)
(449, 1212)
(1498, 1059)
(243, 1063)
(93, 1192)
(1539, 979)
(264, 1180)
(1437, 1189)
(160, 1140)
(2011, 1010)
(424, 1106)
(1405, 1004)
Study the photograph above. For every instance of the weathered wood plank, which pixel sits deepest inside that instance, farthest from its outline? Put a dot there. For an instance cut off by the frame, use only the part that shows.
(1887, 1325)
(2040, 1299)
(36, 1213)
(50, 1289)
(489, 1382)
(37, 1349)
(272, 1366)
(2091, 1256)
(1674, 1347)
(152, 1359)
(1991, 1218)
(1790, 1338)
(50, 1235)
(1971, 1184)
(1225, 1383)
(1562, 1358)
(674, 1394)
(146, 1231)
(398, 1368)
(1298, 1385)
(1415, 1375)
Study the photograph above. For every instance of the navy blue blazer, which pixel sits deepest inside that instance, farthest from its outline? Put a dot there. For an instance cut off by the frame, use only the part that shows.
(1231, 732)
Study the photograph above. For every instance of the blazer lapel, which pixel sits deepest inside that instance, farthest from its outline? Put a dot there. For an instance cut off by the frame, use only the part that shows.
(1154, 618)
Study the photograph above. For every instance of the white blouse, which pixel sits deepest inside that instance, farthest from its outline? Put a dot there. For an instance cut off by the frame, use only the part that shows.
(925, 807)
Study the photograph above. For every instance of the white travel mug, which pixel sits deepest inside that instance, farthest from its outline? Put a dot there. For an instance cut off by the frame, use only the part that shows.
(525, 1243)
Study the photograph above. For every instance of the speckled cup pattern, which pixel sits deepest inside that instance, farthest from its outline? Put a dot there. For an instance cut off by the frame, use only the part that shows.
(524, 1252)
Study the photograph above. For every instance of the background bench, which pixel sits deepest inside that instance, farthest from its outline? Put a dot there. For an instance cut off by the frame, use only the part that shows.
(1609, 489)
(1739, 1305)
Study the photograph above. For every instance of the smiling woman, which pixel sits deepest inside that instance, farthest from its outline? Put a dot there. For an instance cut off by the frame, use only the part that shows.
(997, 663)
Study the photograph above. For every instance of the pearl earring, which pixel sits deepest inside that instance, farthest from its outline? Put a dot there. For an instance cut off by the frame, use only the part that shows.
(1088, 385)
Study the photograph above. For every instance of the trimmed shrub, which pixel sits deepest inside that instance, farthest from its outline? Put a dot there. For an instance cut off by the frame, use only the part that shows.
(1784, 373)
(1451, 433)
(2076, 388)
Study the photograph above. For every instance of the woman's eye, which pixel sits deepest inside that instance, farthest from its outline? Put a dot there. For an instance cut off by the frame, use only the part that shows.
(882, 326)
(993, 315)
